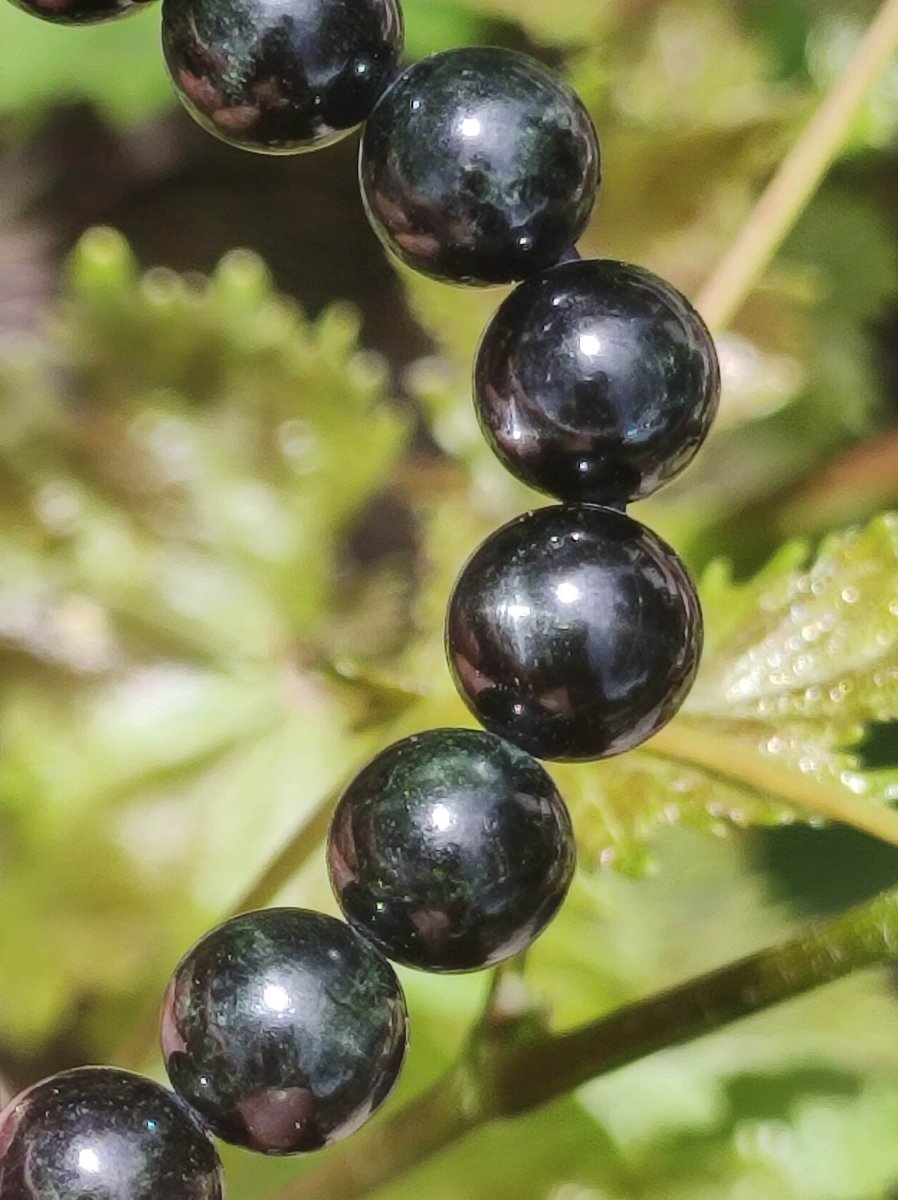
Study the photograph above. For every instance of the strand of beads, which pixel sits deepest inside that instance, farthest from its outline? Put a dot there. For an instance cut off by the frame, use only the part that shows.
(573, 632)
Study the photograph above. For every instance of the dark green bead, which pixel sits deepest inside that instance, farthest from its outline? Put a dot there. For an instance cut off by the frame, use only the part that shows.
(281, 76)
(98, 1133)
(575, 632)
(285, 1029)
(80, 12)
(452, 850)
(596, 381)
(479, 166)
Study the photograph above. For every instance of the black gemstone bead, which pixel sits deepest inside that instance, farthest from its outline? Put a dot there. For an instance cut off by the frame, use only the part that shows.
(479, 166)
(284, 1029)
(281, 76)
(575, 632)
(452, 850)
(81, 12)
(596, 381)
(97, 1133)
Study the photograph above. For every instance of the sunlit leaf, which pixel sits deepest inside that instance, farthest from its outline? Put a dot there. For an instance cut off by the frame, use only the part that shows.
(172, 538)
(798, 661)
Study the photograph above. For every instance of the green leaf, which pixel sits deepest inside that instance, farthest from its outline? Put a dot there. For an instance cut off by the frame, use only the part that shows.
(798, 661)
(570, 22)
(433, 25)
(173, 547)
(45, 64)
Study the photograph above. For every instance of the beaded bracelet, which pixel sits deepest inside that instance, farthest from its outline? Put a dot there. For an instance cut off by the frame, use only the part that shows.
(572, 633)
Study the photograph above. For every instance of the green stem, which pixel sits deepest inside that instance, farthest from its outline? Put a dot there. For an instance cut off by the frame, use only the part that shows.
(800, 174)
(307, 838)
(297, 850)
(511, 1075)
(384, 1152)
(863, 937)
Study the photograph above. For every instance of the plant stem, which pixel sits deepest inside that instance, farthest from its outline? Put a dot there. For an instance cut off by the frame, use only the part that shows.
(863, 937)
(799, 175)
(735, 760)
(296, 850)
(384, 1152)
(310, 835)
(512, 1076)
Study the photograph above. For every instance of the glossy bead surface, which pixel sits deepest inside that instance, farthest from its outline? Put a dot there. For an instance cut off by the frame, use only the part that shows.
(451, 850)
(479, 166)
(97, 1133)
(284, 1029)
(81, 12)
(575, 632)
(596, 381)
(281, 76)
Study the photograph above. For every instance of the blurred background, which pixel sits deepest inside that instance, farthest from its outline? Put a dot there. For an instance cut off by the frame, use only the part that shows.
(238, 472)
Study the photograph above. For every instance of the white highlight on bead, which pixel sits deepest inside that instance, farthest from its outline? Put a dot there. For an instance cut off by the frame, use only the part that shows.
(276, 998)
(441, 817)
(567, 593)
(519, 610)
(89, 1160)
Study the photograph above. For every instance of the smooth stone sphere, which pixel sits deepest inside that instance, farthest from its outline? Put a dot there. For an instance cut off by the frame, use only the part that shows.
(451, 850)
(284, 1029)
(81, 12)
(479, 166)
(281, 76)
(97, 1133)
(574, 632)
(596, 381)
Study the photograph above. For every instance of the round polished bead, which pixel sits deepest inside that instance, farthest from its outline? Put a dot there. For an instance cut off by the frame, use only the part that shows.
(479, 166)
(284, 1029)
(596, 381)
(281, 76)
(451, 850)
(575, 632)
(81, 12)
(97, 1133)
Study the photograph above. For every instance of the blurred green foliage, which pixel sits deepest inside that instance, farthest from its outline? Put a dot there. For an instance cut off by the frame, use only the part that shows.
(201, 636)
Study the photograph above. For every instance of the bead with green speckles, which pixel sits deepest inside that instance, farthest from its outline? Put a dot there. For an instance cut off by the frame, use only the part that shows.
(97, 1133)
(452, 850)
(285, 1029)
(479, 166)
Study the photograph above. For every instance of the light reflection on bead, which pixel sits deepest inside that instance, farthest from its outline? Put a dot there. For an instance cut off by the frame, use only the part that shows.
(258, 1037)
